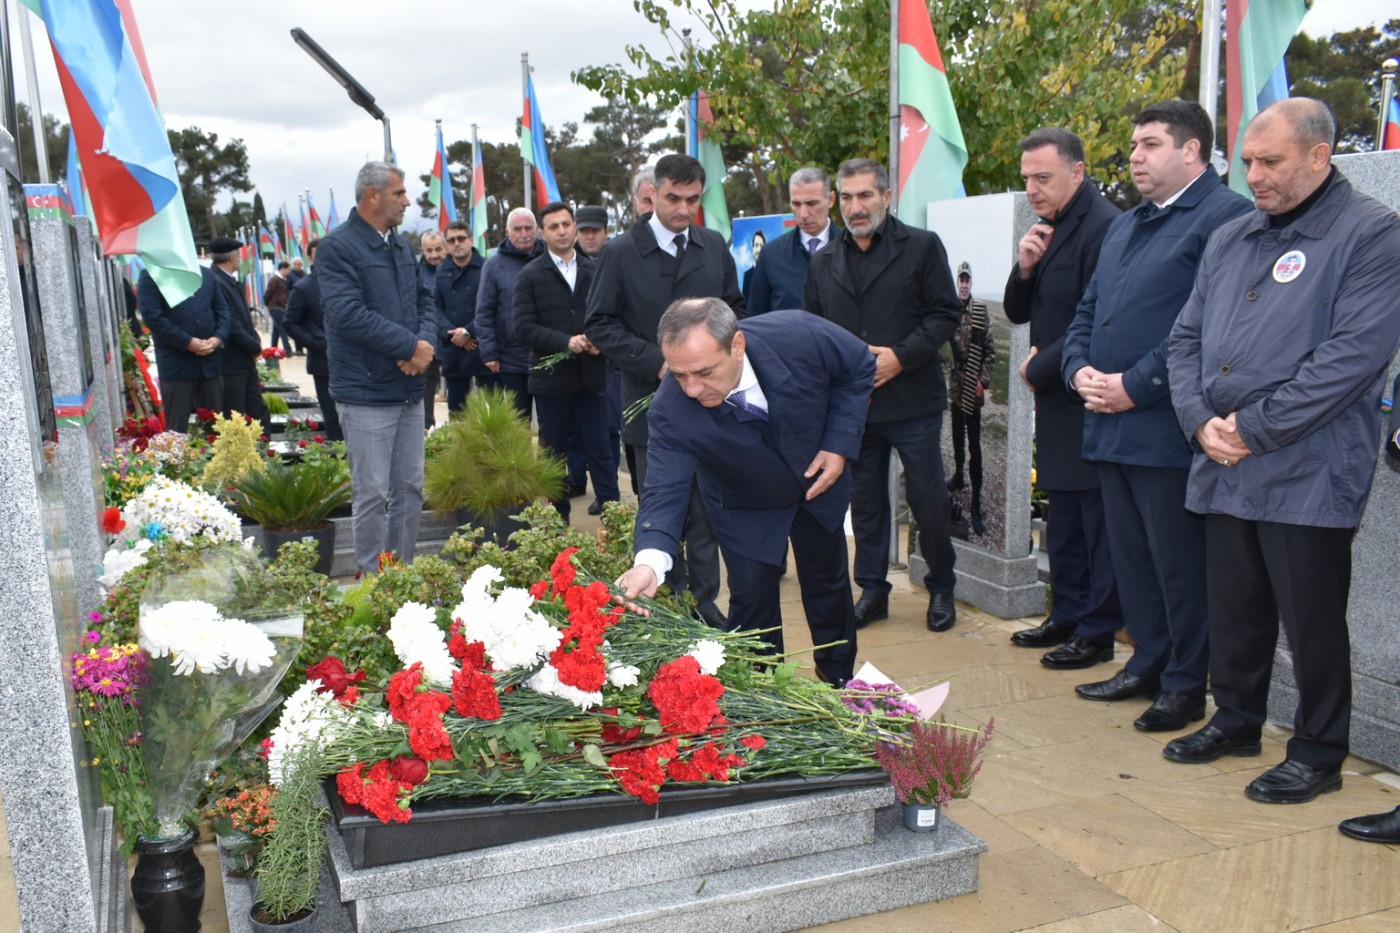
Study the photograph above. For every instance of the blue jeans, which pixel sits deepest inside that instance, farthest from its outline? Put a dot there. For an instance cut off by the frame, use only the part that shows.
(385, 447)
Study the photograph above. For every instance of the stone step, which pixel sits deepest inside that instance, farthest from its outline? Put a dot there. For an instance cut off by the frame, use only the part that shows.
(897, 869)
(561, 869)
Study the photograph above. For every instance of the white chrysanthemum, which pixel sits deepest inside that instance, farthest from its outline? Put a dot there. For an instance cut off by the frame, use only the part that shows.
(623, 675)
(709, 653)
(182, 512)
(417, 639)
(120, 559)
(307, 716)
(196, 637)
(514, 635)
(547, 681)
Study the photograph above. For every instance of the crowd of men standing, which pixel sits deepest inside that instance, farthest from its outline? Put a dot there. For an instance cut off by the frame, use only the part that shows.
(1206, 374)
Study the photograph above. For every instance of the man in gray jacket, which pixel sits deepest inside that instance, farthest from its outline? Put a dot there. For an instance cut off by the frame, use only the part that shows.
(1275, 367)
(380, 325)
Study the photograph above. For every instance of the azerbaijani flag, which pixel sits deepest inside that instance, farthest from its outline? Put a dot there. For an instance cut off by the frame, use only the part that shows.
(1257, 33)
(440, 192)
(532, 148)
(266, 246)
(478, 198)
(332, 216)
(293, 251)
(318, 229)
(1390, 137)
(932, 153)
(714, 212)
(133, 185)
(302, 235)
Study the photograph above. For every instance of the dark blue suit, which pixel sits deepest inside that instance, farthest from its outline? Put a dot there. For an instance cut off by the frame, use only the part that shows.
(817, 379)
(187, 380)
(780, 275)
(1146, 269)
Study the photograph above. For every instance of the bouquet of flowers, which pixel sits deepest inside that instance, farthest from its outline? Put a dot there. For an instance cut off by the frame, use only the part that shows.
(554, 692)
(164, 510)
(211, 675)
(274, 353)
(935, 762)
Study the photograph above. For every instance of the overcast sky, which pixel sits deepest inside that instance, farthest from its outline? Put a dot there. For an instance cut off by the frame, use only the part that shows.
(235, 71)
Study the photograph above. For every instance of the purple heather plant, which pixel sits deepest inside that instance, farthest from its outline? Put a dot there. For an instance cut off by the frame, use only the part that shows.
(935, 762)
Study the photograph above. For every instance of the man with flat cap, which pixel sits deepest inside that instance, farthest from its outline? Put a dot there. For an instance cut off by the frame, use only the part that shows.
(242, 390)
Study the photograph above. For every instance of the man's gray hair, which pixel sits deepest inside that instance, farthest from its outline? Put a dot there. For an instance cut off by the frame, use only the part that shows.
(220, 258)
(865, 167)
(521, 212)
(686, 314)
(811, 175)
(432, 235)
(646, 175)
(1311, 120)
(377, 175)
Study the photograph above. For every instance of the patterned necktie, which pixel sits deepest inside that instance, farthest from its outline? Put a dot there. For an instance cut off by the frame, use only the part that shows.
(740, 400)
(679, 241)
(812, 245)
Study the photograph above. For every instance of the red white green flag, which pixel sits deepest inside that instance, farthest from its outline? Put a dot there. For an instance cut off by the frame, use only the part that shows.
(1257, 33)
(932, 153)
(440, 192)
(714, 210)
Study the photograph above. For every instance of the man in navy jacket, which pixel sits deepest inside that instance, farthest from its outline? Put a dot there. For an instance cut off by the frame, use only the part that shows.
(380, 324)
(458, 280)
(189, 339)
(780, 273)
(765, 414)
(1115, 360)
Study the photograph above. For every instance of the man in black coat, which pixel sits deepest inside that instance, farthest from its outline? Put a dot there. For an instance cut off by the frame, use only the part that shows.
(306, 322)
(242, 390)
(1056, 259)
(458, 279)
(890, 285)
(662, 258)
(551, 300)
(188, 338)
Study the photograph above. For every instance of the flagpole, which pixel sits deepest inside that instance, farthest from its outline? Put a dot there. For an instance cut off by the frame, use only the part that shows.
(894, 105)
(525, 96)
(36, 114)
(692, 147)
(1388, 69)
(1209, 96)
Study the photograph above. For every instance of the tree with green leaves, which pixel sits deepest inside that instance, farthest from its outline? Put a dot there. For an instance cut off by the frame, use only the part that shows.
(208, 169)
(55, 141)
(1344, 71)
(807, 82)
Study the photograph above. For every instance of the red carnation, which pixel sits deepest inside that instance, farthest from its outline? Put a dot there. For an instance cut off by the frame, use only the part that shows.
(685, 699)
(474, 695)
(754, 742)
(112, 521)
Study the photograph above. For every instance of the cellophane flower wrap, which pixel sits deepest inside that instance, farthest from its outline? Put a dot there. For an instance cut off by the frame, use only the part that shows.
(553, 692)
(216, 642)
(164, 510)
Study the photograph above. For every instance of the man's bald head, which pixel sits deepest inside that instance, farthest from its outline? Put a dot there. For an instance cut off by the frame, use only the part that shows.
(1287, 153)
(1309, 120)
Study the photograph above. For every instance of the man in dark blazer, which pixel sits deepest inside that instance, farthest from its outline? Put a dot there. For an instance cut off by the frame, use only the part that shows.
(780, 274)
(890, 285)
(551, 299)
(1115, 361)
(188, 339)
(1056, 259)
(765, 414)
(306, 322)
(663, 257)
(242, 390)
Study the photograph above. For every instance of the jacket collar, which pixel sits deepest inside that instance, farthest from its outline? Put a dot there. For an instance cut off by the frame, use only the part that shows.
(1068, 222)
(1318, 220)
(886, 246)
(360, 228)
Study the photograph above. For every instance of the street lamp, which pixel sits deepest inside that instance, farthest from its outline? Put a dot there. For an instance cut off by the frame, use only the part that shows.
(354, 88)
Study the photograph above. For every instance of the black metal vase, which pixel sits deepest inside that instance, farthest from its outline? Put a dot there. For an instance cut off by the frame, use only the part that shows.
(167, 887)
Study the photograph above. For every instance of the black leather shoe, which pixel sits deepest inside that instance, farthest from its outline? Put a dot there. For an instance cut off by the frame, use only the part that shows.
(572, 491)
(711, 616)
(1378, 827)
(1047, 634)
(1293, 782)
(1121, 686)
(955, 483)
(942, 612)
(838, 683)
(870, 608)
(595, 507)
(1170, 712)
(1076, 653)
(1207, 744)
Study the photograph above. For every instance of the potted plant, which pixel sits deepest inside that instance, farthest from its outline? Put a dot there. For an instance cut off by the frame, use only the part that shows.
(292, 502)
(289, 868)
(242, 822)
(932, 764)
(485, 466)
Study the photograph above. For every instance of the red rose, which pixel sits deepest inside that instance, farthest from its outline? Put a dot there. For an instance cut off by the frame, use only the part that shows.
(112, 521)
(319, 439)
(301, 444)
(334, 678)
(408, 768)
